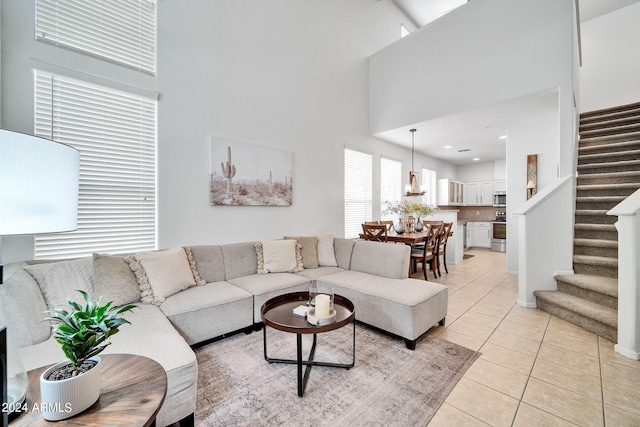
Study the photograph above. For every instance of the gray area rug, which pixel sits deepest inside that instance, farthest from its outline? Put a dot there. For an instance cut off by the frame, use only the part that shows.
(389, 384)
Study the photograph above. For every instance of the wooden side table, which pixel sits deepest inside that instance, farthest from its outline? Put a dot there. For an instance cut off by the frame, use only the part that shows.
(132, 391)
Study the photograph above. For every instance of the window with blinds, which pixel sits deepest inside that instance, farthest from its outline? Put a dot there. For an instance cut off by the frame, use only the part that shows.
(390, 184)
(115, 133)
(119, 31)
(430, 184)
(358, 191)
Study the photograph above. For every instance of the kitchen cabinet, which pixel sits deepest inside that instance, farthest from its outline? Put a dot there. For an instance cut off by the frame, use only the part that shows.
(500, 185)
(450, 192)
(479, 234)
(479, 193)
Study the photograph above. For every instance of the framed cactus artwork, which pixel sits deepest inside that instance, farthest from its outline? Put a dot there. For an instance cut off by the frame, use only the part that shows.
(244, 174)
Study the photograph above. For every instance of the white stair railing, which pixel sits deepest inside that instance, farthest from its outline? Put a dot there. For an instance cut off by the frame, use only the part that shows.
(545, 239)
(628, 225)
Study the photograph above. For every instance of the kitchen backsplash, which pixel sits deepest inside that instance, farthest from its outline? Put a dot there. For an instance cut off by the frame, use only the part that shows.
(474, 213)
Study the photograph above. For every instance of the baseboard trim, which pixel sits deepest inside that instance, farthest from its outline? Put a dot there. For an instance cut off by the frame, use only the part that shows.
(626, 352)
(526, 304)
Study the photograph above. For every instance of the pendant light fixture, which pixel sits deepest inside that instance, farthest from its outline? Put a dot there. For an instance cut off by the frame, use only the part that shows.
(413, 189)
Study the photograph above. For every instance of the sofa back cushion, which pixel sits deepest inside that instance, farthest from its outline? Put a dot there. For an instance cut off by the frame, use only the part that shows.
(381, 259)
(23, 307)
(113, 280)
(240, 259)
(343, 250)
(209, 262)
(59, 280)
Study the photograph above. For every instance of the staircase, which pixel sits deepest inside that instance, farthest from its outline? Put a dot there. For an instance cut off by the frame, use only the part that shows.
(608, 172)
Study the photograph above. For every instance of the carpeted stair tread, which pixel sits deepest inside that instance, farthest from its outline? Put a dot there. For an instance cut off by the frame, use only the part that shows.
(604, 285)
(593, 187)
(595, 156)
(589, 309)
(600, 199)
(591, 212)
(596, 227)
(616, 111)
(610, 121)
(610, 175)
(623, 164)
(590, 139)
(596, 260)
(608, 146)
(598, 243)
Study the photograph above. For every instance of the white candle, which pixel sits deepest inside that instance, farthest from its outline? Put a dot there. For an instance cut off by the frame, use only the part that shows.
(322, 305)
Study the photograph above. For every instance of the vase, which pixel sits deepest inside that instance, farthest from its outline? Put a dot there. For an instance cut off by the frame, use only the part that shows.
(65, 398)
(398, 226)
(419, 225)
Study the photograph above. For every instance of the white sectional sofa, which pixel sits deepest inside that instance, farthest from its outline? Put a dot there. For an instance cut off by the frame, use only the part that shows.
(228, 298)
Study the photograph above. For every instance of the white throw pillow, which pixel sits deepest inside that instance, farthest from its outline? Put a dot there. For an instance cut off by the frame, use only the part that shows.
(279, 256)
(161, 274)
(326, 251)
(59, 281)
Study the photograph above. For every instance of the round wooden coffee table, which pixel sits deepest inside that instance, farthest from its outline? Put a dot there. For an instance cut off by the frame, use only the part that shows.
(132, 391)
(278, 314)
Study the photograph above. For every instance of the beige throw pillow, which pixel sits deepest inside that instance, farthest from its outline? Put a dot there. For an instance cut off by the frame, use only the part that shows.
(58, 281)
(161, 274)
(279, 256)
(326, 251)
(309, 249)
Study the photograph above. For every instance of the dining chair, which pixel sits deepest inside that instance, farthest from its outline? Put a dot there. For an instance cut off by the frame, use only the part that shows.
(442, 245)
(389, 224)
(426, 254)
(375, 232)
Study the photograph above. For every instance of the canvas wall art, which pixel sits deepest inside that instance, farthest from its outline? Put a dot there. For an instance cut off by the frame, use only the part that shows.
(244, 174)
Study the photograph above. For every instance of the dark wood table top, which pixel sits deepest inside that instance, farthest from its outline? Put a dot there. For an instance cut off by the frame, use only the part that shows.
(278, 313)
(132, 391)
(409, 238)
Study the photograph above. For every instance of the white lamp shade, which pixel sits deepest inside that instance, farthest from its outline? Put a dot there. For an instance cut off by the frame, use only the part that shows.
(38, 185)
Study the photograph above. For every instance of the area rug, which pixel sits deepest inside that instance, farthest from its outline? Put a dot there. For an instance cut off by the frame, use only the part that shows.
(389, 384)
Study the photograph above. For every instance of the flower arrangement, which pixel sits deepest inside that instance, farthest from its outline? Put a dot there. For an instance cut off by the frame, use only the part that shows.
(408, 208)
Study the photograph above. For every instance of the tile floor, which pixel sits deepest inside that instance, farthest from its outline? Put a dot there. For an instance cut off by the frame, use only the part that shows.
(535, 369)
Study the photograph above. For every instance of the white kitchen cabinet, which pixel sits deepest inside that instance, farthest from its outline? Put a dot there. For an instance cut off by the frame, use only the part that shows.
(479, 193)
(481, 234)
(500, 185)
(450, 192)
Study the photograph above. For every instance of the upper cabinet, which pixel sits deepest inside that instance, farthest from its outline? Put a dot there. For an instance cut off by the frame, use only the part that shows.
(450, 192)
(500, 185)
(479, 193)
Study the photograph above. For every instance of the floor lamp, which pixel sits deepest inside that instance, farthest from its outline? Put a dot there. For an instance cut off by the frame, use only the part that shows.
(38, 194)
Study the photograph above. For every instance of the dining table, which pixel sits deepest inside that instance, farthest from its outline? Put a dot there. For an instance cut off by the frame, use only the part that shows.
(408, 237)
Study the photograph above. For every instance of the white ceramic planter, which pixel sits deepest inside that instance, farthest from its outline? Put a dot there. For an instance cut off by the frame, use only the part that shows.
(66, 398)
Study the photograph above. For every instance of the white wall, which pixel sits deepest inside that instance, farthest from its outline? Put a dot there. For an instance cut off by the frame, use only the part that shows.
(484, 171)
(610, 60)
(285, 74)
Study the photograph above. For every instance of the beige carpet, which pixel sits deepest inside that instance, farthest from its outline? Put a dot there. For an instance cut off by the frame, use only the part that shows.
(389, 385)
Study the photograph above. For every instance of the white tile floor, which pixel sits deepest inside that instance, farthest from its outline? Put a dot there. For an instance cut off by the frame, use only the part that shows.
(535, 369)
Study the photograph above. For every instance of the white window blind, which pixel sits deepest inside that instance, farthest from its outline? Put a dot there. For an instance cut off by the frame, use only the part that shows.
(120, 31)
(358, 191)
(390, 184)
(115, 133)
(429, 183)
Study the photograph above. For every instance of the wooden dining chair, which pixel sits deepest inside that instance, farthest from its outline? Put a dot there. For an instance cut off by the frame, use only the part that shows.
(442, 245)
(375, 232)
(389, 224)
(428, 253)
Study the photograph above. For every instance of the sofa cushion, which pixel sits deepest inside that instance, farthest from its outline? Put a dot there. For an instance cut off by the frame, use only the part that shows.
(343, 249)
(317, 273)
(58, 281)
(23, 307)
(204, 312)
(326, 251)
(114, 280)
(309, 249)
(161, 274)
(381, 259)
(278, 256)
(266, 286)
(240, 259)
(209, 262)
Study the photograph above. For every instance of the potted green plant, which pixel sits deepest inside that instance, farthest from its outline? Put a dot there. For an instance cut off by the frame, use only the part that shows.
(69, 387)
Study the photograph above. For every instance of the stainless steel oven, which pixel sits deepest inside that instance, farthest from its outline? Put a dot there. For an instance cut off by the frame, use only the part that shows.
(499, 236)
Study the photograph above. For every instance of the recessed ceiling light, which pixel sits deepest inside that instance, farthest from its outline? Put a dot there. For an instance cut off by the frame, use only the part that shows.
(475, 159)
(448, 146)
(502, 137)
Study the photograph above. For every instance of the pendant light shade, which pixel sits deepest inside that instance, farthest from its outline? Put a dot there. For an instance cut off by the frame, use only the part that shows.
(413, 189)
